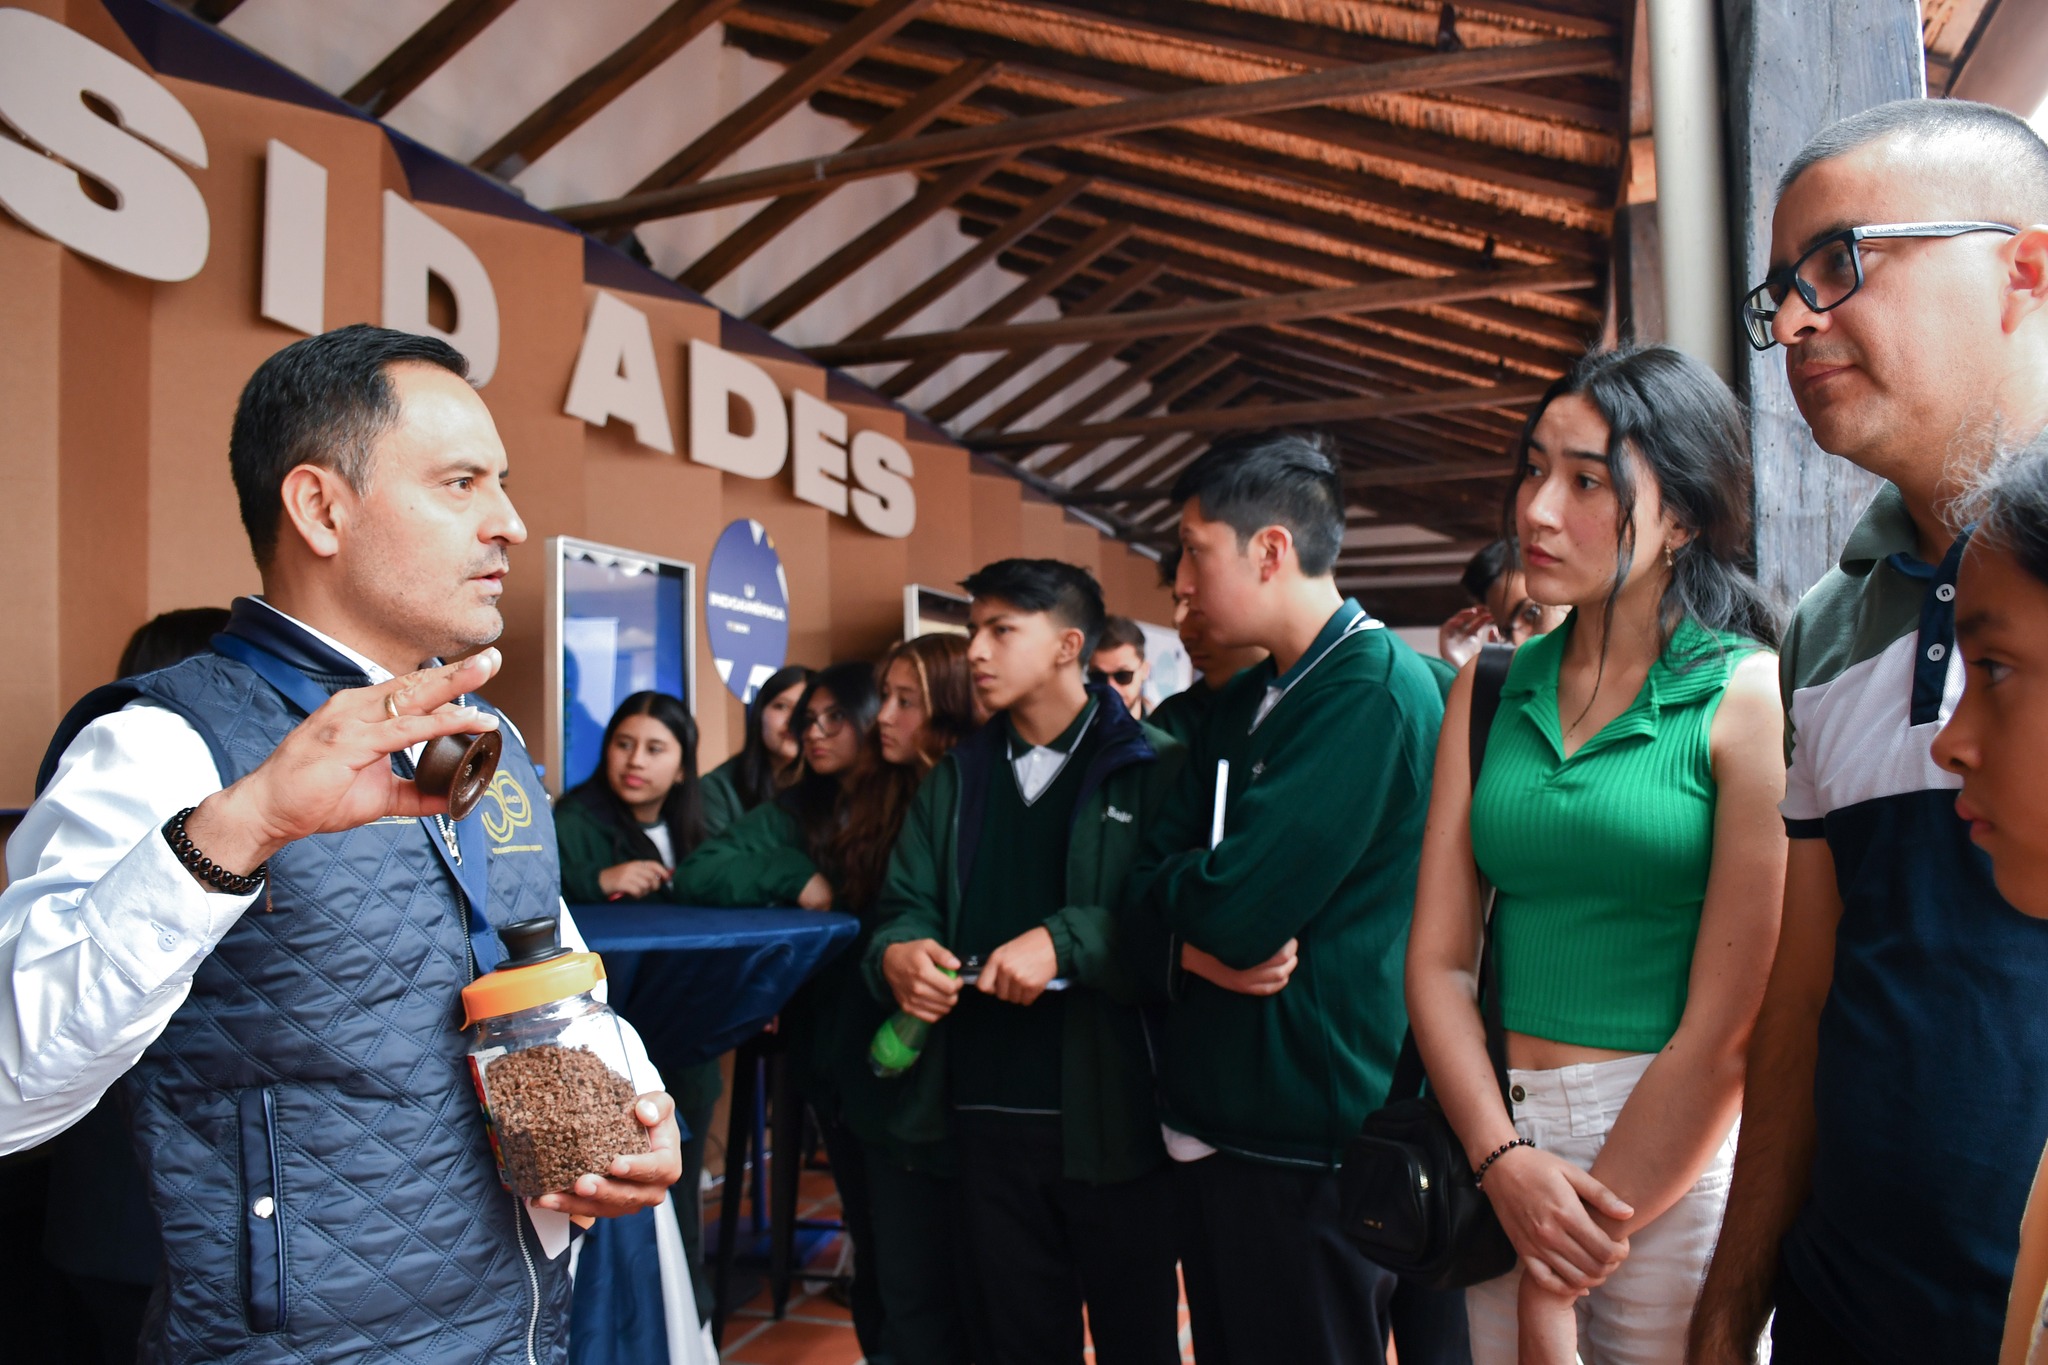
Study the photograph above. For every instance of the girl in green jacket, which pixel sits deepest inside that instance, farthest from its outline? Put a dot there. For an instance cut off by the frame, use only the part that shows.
(802, 849)
(621, 832)
(767, 758)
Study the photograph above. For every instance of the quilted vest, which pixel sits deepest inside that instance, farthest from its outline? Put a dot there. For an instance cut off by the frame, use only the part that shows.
(313, 1144)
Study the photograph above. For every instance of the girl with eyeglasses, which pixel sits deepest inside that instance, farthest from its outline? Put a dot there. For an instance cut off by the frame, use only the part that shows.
(869, 737)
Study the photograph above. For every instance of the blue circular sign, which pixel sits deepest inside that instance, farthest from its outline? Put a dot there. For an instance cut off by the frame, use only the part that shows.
(746, 608)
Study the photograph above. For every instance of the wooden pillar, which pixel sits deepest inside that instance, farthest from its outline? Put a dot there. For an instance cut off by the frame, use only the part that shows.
(1792, 70)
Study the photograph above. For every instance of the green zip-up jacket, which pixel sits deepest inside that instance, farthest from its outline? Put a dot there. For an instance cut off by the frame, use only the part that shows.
(1109, 1119)
(589, 842)
(1322, 837)
(719, 790)
(759, 860)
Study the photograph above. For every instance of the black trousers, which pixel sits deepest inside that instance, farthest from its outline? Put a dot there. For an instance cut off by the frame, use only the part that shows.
(1041, 1246)
(1271, 1277)
(909, 1290)
(1801, 1336)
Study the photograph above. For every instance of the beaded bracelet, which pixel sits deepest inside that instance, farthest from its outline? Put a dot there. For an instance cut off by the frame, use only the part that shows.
(205, 868)
(1479, 1171)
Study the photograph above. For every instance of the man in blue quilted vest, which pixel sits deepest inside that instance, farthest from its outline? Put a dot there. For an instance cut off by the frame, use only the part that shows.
(230, 901)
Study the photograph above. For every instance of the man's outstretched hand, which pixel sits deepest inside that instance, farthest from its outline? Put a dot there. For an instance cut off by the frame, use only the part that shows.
(333, 772)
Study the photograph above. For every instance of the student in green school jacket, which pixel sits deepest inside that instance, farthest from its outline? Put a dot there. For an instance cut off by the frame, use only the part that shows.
(1181, 715)
(824, 843)
(767, 755)
(620, 833)
(1015, 853)
(1325, 751)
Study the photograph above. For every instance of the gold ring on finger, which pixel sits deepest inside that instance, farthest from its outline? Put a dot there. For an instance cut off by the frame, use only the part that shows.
(391, 705)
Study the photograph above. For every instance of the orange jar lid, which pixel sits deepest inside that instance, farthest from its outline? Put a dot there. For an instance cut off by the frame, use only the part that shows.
(512, 989)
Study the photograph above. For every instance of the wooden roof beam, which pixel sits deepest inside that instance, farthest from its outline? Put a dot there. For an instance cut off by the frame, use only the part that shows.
(883, 234)
(1148, 454)
(1040, 283)
(1160, 399)
(1434, 72)
(1278, 414)
(1255, 312)
(408, 65)
(798, 83)
(999, 372)
(582, 99)
(1108, 391)
(907, 120)
(949, 276)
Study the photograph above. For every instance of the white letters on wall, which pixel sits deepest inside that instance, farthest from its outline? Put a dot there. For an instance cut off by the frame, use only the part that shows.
(817, 448)
(158, 228)
(416, 246)
(616, 374)
(294, 239)
(717, 379)
(885, 502)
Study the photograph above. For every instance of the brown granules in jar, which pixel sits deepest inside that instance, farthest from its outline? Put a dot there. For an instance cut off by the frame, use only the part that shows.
(560, 1113)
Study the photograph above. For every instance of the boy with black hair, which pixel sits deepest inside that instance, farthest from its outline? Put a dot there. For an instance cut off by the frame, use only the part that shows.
(1015, 852)
(1324, 753)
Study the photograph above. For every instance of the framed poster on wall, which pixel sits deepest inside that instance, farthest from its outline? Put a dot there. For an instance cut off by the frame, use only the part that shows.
(932, 611)
(618, 622)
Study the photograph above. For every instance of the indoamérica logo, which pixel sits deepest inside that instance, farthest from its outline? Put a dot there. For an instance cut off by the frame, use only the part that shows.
(506, 810)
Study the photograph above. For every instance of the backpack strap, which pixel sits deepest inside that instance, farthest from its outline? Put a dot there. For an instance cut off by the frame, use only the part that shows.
(1489, 680)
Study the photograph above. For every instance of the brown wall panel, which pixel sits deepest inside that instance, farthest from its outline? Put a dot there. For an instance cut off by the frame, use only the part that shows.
(942, 552)
(998, 521)
(1083, 546)
(103, 469)
(31, 321)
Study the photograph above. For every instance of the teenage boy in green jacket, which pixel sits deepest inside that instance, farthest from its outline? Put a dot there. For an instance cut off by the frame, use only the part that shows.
(1325, 753)
(1015, 852)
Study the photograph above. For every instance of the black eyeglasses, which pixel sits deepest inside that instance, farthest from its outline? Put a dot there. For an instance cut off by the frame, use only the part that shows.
(1831, 272)
(1123, 677)
(828, 722)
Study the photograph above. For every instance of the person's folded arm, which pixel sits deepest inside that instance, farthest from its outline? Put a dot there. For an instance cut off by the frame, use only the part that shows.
(101, 928)
(1295, 832)
(759, 861)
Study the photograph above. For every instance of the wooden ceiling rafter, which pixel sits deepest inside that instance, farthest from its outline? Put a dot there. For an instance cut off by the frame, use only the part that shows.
(931, 198)
(1141, 368)
(1267, 311)
(426, 50)
(907, 120)
(797, 83)
(1026, 292)
(1161, 399)
(1250, 99)
(1018, 357)
(890, 68)
(585, 97)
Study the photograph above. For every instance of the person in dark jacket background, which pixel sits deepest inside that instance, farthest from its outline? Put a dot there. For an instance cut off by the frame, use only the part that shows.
(766, 761)
(620, 832)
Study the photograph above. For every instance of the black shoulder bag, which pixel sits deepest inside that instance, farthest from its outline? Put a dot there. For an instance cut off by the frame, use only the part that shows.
(1409, 1199)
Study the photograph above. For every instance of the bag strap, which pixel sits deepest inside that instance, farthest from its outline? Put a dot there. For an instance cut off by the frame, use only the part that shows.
(1489, 680)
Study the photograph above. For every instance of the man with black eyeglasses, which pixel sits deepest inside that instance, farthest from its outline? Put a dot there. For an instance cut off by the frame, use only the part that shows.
(1894, 1110)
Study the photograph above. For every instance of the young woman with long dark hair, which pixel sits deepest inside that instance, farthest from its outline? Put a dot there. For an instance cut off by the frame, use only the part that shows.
(767, 755)
(1627, 814)
(829, 848)
(621, 832)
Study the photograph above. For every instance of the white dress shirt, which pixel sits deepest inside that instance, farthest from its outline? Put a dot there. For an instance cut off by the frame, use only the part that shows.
(102, 929)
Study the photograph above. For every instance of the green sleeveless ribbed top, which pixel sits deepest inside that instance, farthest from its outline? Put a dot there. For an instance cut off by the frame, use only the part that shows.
(1601, 859)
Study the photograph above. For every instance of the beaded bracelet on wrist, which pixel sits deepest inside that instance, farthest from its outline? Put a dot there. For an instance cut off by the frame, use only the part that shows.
(1479, 1171)
(205, 868)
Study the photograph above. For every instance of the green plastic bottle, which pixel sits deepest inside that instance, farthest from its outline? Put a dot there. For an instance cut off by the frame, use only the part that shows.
(899, 1042)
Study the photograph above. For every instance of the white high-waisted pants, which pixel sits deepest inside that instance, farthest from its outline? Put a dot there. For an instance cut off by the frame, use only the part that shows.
(1639, 1316)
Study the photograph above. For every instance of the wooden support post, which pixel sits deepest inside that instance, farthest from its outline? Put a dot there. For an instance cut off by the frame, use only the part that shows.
(1792, 70)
